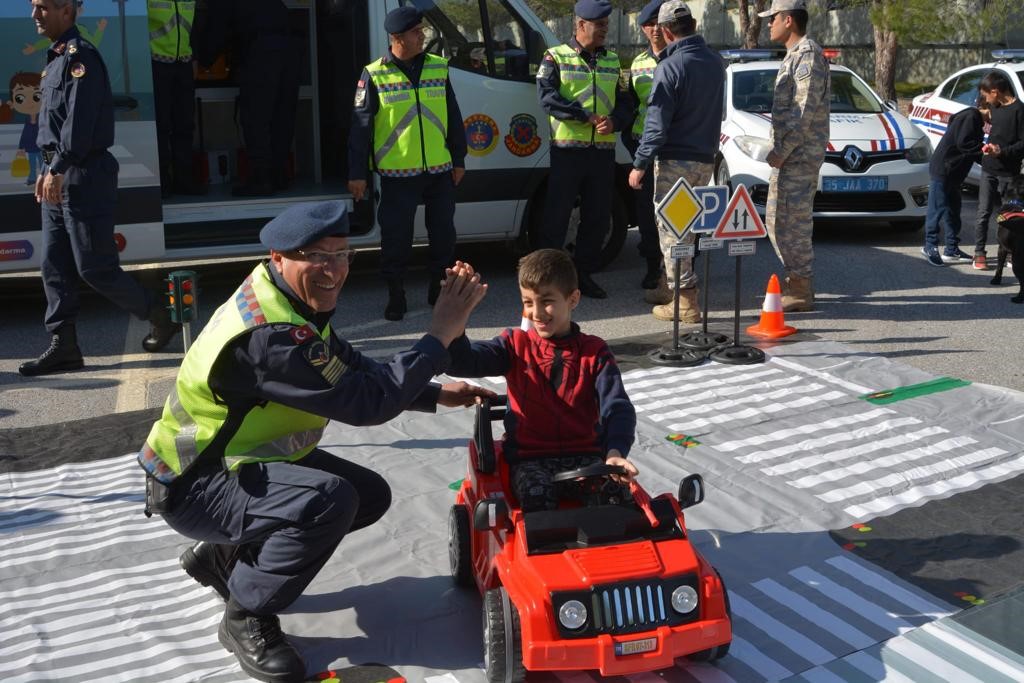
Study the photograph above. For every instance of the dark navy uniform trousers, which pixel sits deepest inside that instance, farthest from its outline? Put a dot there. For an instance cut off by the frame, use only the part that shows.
(78, 244)
(588, 173)
(396, 215)
(289, 518)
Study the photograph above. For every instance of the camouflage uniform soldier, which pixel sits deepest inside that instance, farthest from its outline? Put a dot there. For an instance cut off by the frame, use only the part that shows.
(799, 136)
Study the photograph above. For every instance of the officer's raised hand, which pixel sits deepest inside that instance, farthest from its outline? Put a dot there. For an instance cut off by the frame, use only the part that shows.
(461, 291)
(357, 188)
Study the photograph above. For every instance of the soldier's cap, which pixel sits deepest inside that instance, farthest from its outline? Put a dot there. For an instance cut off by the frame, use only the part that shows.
(673, 10)
(302, 224)
(783, 6)
(649, 14)
(592, 9)
(402, 19)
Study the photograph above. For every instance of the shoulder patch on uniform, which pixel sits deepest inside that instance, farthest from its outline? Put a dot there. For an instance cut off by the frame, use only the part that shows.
(78, 69)
(360, 99)
(318, 355)
(803, 71)
(546, 67)
(301, 335)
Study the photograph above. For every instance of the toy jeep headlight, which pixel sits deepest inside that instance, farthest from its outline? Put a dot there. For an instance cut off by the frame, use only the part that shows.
(573, 614)
(684, 599)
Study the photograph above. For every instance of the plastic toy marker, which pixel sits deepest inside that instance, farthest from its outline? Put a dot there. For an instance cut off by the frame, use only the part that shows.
(914, 390)
(682, 440)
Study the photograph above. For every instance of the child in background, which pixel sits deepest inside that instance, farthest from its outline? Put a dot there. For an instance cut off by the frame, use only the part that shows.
(567, 407)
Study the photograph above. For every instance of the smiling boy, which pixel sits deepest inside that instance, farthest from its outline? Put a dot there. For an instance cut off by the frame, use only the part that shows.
(567, 406)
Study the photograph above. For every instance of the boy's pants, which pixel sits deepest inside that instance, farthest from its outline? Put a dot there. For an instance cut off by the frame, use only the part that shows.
(943, 215)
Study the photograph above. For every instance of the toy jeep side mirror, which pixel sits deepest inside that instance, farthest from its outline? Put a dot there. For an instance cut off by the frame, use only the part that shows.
(491, 513)
(691, 491)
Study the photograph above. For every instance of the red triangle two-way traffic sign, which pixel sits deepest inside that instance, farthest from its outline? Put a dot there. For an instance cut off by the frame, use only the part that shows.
(741, 219)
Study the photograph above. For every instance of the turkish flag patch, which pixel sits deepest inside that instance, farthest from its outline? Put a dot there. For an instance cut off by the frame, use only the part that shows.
(301, 335)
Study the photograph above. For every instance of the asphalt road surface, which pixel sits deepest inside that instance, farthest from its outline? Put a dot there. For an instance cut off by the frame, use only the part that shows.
(875, 292)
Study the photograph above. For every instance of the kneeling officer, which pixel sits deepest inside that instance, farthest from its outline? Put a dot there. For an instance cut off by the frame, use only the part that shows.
(233, 461)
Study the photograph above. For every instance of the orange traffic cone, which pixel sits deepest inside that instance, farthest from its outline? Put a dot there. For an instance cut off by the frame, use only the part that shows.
(773, 322)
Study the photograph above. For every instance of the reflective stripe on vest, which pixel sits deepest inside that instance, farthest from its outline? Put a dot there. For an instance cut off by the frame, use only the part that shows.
(592, 89)
(410, 129)
(170, 25)
(641, 75)
(193, 416)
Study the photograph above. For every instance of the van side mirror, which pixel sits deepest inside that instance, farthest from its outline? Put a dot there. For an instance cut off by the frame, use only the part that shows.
(691, 491)
(491, 513)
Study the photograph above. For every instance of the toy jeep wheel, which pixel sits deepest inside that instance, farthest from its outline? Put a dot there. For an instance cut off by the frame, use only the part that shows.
(459, 558)
(503, 647)
(719, 651)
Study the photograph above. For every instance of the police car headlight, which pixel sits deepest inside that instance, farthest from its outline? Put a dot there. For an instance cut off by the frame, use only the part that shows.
(684, 599)
(754, 147)
(920, 152)
(572, 614)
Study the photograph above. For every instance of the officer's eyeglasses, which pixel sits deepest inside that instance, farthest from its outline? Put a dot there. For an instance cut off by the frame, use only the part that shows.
(324, 258)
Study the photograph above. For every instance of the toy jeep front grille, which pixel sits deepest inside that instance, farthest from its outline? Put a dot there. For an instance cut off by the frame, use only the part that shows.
(627, 607)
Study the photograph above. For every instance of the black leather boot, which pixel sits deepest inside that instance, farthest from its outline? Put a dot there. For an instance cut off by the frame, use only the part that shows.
(590, 288)
(434, 288)
(396, 308)
(210, 564)
(260, 646)
(162, 329)
(653, 274)
(62, 355)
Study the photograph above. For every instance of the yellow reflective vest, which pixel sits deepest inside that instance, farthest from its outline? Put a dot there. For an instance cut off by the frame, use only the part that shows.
(410, 128)
(193, 416)
(594, 90)
(641, 76)
(170, 28)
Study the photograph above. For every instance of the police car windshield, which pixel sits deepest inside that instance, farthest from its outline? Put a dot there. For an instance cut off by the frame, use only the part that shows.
(752, 92)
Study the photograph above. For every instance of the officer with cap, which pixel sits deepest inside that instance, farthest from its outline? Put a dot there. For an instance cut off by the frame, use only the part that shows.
(641, 76)
(77, 191)
(577, 84)
(800, 133)
(407, 126)
(233, 460)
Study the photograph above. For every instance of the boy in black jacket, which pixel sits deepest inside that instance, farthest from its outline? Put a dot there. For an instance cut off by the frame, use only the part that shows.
(959, 148)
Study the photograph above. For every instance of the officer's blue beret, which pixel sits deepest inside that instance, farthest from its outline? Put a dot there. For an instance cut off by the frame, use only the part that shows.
(302, 224)
(649, 14)
(592, 9)
(402, 19)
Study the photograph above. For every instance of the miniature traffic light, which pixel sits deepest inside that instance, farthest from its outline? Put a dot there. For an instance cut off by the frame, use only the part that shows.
(182, 291)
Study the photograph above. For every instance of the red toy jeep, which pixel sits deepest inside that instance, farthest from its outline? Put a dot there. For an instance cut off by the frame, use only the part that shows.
(615, 587)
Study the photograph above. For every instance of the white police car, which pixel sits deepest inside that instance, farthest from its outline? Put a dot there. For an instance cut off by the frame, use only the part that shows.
(931, 111)
(876, 161)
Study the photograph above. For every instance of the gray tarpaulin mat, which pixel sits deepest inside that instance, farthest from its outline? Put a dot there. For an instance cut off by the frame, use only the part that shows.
(91, 589)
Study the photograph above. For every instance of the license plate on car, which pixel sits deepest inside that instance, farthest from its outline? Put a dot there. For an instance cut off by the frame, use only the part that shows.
(635, 647)
(867, 183)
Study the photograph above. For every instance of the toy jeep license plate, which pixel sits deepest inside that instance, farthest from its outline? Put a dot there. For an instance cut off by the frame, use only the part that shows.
(635, 647)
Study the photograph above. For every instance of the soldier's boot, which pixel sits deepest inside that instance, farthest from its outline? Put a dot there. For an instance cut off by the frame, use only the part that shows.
(161, 328)
(260, 646)
(396, 306)
(797, 294)
(62, 355)
(660, 294)
(210, 564)
(434, 288)
(653, 276)
(689, 310)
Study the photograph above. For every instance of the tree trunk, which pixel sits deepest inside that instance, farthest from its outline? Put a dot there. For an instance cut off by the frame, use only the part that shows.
(752, 31)
(886, 48)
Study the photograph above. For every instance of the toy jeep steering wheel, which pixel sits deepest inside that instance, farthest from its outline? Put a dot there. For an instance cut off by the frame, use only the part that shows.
(588, 480)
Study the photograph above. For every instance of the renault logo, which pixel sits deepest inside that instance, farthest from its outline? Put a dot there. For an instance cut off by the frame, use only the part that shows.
(853, 158)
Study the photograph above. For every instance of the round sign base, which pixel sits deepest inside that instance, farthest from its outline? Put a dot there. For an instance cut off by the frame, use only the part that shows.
(703, 341)
(738, 355)
(680, 358)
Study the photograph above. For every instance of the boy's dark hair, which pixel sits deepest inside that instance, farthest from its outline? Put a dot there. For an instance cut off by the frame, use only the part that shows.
(26, 79)
(548, 267)
(996, 80)
(800, 18)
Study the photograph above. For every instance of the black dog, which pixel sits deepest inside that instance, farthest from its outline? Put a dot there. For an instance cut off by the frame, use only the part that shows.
(1011, 235)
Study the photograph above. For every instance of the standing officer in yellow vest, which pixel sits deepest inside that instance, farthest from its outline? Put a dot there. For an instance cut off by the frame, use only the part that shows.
(170, 47)
(233, 460)
(577, 84)
(641, 77)
(406, 122)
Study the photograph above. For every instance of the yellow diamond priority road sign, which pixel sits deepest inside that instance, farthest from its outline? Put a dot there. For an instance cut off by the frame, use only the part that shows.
(680, 208)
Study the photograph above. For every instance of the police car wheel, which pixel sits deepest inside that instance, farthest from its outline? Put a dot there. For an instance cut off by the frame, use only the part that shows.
(503, 645)
(459, 546)
(722, 176)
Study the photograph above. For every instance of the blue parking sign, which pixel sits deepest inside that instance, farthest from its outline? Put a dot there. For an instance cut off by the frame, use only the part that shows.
(714, 199)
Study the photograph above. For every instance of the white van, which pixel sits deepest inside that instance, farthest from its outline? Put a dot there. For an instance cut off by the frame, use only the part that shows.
(494, 48)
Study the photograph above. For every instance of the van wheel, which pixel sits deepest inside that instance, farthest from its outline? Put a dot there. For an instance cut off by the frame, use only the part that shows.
(613, 239)
(460, 557)
(503, 647)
